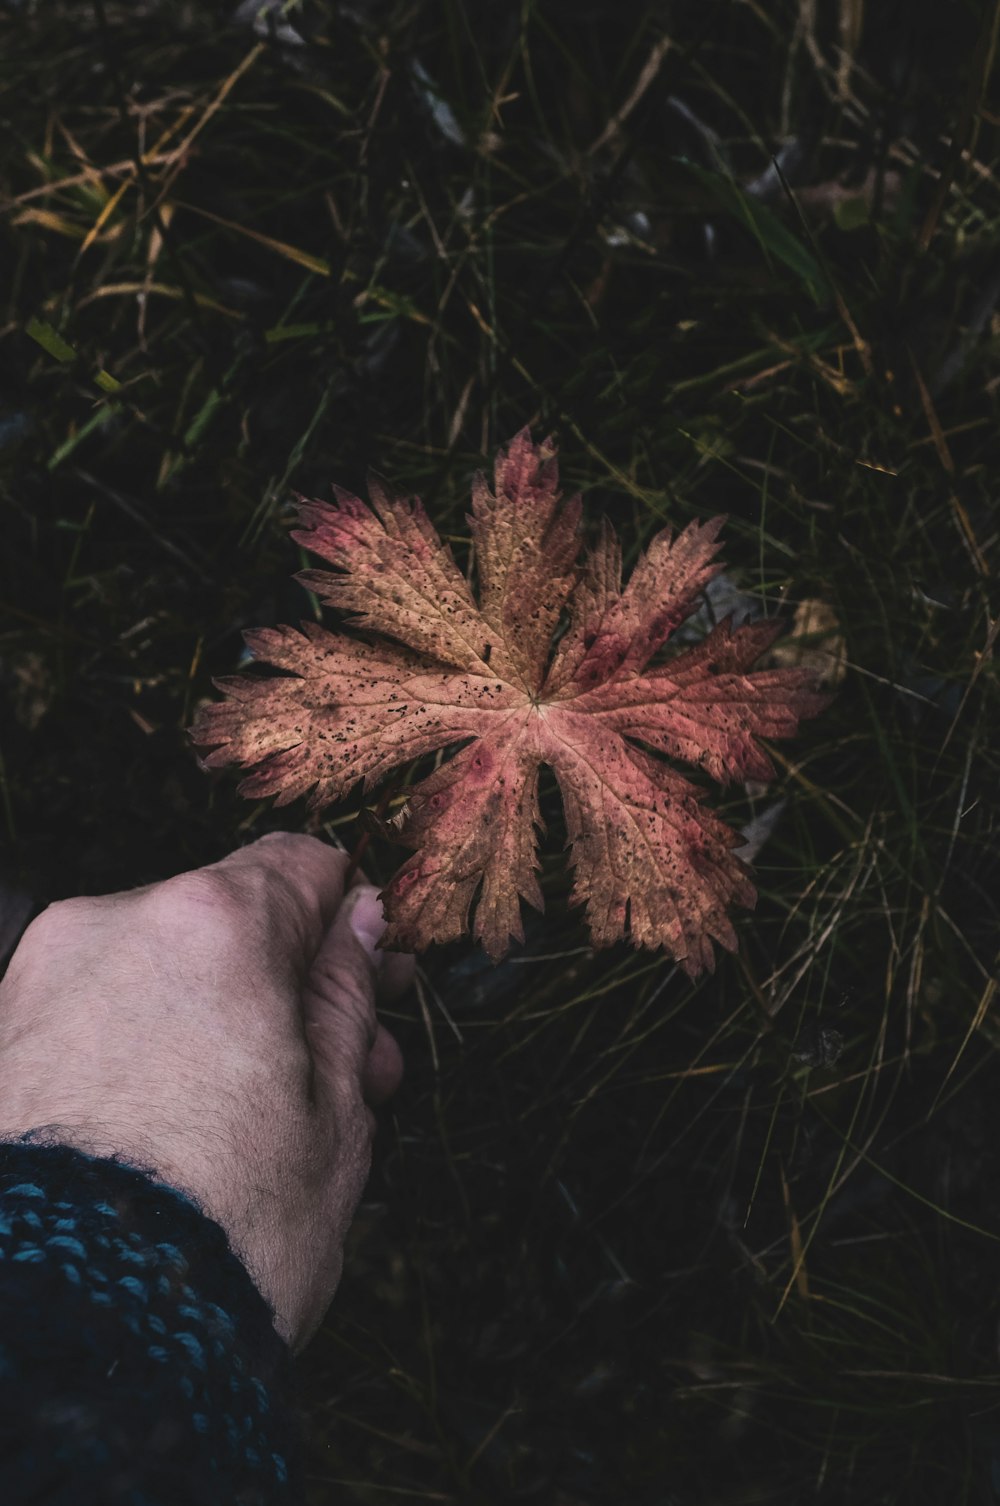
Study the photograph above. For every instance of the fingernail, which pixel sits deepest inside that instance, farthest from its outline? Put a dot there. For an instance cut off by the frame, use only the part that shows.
(367, 922)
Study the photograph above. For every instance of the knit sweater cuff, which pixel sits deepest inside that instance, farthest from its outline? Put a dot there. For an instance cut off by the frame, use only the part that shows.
(139, 1364)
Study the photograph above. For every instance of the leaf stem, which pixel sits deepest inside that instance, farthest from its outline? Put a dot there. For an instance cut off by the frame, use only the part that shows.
(361, 846)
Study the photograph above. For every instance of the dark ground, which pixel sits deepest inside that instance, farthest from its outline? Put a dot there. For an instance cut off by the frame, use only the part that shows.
(628, 1239)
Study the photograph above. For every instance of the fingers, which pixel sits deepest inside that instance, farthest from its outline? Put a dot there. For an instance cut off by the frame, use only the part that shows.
(309, 872)
(313, 874)
(397, 970)
(384, 1068)
(355, 1058)
(344, 971)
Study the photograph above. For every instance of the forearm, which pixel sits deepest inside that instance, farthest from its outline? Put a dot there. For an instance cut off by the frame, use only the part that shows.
(139, 1365)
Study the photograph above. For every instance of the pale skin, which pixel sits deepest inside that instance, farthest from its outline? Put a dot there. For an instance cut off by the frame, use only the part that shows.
(221, 1028)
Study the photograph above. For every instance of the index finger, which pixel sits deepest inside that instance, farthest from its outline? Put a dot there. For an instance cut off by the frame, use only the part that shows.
(310, 872)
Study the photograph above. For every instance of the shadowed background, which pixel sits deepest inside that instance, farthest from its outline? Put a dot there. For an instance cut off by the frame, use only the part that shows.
(627, 1237)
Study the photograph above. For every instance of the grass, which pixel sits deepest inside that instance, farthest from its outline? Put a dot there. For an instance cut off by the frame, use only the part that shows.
(627, 1238)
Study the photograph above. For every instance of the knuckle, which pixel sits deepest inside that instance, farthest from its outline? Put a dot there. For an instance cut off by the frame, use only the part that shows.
(205, 905)
(231, 893)
(352, 988)
(291, 839)
(244, 913)
(364, 1022)
(211, 888)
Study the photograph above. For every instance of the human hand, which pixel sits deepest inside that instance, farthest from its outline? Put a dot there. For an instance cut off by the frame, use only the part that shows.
(219, 1026)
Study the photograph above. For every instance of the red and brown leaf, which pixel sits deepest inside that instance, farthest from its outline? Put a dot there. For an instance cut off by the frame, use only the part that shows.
(651, 862)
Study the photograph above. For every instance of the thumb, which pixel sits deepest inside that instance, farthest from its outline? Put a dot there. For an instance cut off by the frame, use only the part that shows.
(339, 994)
(366, 920)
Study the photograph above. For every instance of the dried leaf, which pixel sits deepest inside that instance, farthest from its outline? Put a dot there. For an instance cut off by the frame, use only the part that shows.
(30, 686)
(651, 863)
(815, 643)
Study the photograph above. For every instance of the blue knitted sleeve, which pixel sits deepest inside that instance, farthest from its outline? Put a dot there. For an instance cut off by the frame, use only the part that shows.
(139, 1364)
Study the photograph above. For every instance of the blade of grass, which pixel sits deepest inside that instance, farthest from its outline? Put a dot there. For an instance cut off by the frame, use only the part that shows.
(774, 238)
(281, 248)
